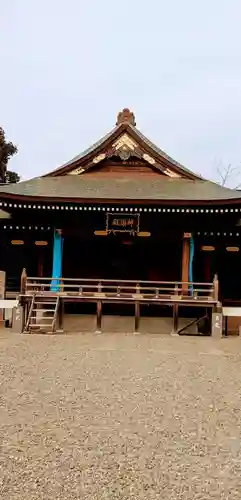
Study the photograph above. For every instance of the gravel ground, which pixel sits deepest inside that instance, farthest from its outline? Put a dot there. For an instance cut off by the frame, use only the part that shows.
(119, 417)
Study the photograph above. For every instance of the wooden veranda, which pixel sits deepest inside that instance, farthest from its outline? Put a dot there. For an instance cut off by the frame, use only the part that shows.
(43, 299)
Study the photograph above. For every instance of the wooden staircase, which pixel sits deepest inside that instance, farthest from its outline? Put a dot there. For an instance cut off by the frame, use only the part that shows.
(42, 314)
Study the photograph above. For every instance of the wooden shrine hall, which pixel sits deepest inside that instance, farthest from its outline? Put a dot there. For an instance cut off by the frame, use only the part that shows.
(121, 214)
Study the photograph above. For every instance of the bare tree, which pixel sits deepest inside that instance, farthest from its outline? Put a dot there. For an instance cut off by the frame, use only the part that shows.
(229, 175)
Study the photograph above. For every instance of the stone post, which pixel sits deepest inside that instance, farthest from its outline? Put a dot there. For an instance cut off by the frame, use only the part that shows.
(217, 322)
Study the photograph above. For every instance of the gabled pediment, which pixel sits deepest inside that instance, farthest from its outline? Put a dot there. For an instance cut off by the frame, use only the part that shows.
(125, 142)
(124, 145)
(125, 148)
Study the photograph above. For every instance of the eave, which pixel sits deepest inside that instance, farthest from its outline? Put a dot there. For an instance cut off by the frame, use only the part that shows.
(8, 198)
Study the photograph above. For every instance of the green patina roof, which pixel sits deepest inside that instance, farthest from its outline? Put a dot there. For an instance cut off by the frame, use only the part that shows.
(122, 188)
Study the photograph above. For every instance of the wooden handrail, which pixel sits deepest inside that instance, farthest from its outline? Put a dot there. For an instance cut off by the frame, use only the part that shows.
(114, 284)
(156, 290)
(112, 287)
(106, 280)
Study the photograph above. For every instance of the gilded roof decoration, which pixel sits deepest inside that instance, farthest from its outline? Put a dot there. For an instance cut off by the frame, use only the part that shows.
(149, 159)
(126, 116)
(77, 171)
(99, 158)
(171, 173)
(125, 141)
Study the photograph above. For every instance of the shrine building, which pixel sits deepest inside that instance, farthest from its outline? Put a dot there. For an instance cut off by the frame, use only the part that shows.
(122, 210)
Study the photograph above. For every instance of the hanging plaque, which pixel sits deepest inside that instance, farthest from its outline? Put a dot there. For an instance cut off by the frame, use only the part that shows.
(123, 223)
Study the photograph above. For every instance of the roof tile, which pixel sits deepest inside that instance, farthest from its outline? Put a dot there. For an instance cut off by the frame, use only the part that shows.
(122, 188)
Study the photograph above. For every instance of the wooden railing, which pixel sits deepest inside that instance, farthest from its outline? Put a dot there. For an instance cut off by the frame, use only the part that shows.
(171, 293)
(121, 290)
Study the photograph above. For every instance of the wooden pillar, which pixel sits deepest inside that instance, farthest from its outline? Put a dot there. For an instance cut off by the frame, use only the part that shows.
(23, 281)
(175, 313)
(2, 292)
(175, 320)
(137, 317)
(40, 262)
(137, 309)
(57, 260)
(185, 260)
(207, 267)
(99, 317)
(215, 288)
(61, 314)
(23, 289)
(99, 312)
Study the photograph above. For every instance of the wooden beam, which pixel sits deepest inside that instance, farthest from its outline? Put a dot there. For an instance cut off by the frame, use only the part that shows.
(40, 262)
(137, 310)
(23, 281)
(216, 287)
(185, 260)
(208, 256)
(2, 291)
(99, 317)
(137, 316)
(61, 314)
(175, 320)
(99, 312)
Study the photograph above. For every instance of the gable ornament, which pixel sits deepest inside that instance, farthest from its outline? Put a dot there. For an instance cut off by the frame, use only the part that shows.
(99, 158)
(149, 159)
(124, 141)
(126, 116)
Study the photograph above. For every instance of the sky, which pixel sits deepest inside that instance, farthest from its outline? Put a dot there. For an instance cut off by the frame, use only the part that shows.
(67, 68)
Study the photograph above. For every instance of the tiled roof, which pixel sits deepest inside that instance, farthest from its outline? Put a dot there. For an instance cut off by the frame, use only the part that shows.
(159, 151)
(89, 150)
(138, 135)
(122, 188)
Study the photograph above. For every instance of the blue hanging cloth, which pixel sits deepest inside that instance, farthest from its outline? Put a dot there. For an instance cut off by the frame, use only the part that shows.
(57, 261)
(192, 248)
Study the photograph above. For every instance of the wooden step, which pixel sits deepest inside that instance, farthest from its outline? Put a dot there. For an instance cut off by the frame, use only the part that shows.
(44, 318)
(39, 325)
(48, 318)
(45, 297)
(44, 302)
(44, 310)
